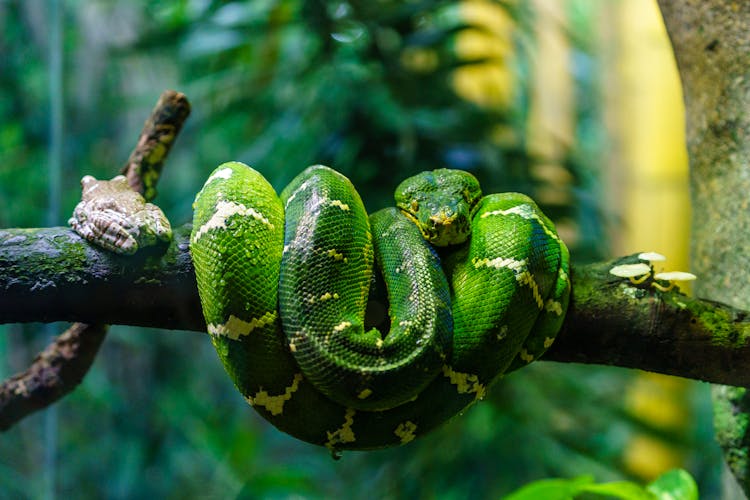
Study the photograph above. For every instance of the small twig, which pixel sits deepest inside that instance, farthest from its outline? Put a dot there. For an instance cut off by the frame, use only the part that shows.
(59, 369)
(143, 168)
(55, 371)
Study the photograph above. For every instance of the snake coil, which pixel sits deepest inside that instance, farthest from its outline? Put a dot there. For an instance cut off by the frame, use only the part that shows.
(284, 282)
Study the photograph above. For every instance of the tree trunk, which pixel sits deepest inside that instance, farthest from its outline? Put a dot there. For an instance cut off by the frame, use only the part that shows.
(712, 48)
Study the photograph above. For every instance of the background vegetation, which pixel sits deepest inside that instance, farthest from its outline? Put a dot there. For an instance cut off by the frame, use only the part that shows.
(541, 97)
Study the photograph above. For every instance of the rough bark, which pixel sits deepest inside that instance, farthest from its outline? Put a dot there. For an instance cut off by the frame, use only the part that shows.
(52, 274)
(53, 373)
(144, 166)
(712, 48)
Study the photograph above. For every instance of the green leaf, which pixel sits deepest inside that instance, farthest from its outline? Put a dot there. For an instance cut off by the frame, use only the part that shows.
(676, 484)
(619, 489)
(551, 489)
(673, 485)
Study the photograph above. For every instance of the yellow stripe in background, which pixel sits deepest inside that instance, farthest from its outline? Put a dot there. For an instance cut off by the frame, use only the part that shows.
(645, 171)
(648, 186)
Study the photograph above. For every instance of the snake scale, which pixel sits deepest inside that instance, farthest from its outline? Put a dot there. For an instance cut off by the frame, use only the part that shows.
(476, 286)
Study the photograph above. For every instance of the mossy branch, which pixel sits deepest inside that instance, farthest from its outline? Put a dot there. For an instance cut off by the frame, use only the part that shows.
(53, 275)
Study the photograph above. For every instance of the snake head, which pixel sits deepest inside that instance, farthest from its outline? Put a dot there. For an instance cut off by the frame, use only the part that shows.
(440, 202)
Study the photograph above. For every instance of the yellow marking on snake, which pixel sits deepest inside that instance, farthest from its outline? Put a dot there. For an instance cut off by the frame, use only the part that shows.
(465, 383)
(553, 306)
(275, 404)
(340, 204)
(224, 210)
(548, 341)
(406, 431)
(235, 327)
(526, 278)
(525, 356)
(564, 277)
(526, 212)
(336, 255)
(503, 332)
(344, 434)
(324, 297)
(364, 394)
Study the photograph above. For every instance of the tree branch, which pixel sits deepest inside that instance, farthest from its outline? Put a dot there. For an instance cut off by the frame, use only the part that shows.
(609, 321)
(54, 373)
(143, 168)
(613, 322)
(52, 274)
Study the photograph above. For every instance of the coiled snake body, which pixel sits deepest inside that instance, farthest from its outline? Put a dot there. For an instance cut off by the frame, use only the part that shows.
(284, 284)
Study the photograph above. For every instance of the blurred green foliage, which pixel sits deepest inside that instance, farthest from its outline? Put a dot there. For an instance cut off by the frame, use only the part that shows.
(674, 484)
(281, 85)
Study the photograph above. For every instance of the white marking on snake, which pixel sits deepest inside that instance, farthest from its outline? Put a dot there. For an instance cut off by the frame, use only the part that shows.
(406, 431)
(465, 383)
(226, 209)
(526, 212)
(344, 434)
(224, 173)
(338, 203)
(235, 327)
(341, 326)
(519, 267)
(301, 187)
(502, 263)
(275, 404)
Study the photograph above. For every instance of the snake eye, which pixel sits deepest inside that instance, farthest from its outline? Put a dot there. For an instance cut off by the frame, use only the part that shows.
(414, 207)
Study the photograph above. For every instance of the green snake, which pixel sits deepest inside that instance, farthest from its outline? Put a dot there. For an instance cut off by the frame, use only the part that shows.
(476, 287)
